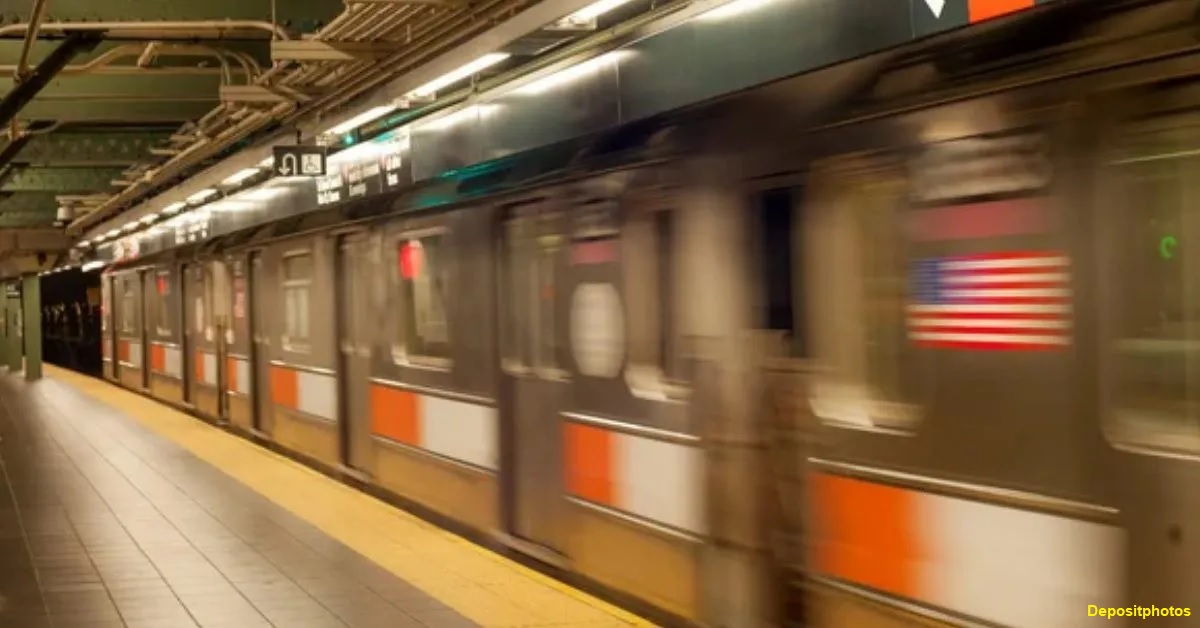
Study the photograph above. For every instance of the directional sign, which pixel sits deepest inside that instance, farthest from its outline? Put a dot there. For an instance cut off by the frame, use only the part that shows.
(300, 161)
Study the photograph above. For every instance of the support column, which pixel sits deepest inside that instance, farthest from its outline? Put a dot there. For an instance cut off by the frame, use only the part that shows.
(31, 301)
(12, 344)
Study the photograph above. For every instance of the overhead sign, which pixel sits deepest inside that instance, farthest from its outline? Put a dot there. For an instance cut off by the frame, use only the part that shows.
(300, 161)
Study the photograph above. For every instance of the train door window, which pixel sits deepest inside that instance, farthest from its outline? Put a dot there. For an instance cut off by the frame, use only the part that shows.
(778, 266)
(162, 303)
(533, 242)
(198, 300)
(128, 307)
(649, 277)
(875, 378)
(297, 283)
(424, 280)
(1154, 305)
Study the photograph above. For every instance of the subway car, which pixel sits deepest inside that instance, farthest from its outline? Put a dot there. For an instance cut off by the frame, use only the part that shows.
(909, 336)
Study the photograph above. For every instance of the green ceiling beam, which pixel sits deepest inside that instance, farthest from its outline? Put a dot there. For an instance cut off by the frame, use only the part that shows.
(301, 14)
(19, 221)
(89, 149)
(142, 112)
(28, 203)
(89, 85)
(61, 180)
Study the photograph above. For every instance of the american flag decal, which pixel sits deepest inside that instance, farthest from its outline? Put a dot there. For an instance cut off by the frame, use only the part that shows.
(992, 301)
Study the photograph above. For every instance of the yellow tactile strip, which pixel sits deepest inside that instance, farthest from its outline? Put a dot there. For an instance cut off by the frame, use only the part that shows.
(481, 585)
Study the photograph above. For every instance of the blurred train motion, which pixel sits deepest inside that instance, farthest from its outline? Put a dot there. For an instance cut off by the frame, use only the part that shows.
(915, 335)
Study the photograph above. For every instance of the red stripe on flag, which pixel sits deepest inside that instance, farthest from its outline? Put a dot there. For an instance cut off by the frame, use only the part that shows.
(987, 346)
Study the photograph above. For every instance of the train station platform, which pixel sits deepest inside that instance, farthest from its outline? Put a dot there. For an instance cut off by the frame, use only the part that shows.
(118, 511)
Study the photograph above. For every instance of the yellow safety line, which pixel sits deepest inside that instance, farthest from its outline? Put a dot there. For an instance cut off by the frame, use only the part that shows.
(480, 584)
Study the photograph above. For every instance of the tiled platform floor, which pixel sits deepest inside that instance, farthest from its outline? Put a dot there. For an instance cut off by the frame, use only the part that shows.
(117, 511)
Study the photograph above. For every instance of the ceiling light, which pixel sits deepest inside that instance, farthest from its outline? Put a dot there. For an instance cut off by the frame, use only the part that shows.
(240, 176)
(361, 119)
(93, 265)
(450, 78)
(593, 11)
(147, 219)
(201, 196)
(173, 208)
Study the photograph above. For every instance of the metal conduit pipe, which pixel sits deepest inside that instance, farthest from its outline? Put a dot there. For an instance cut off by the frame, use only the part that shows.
(432, 29)
(391, 22)
(102, 63)
(427, 31)
(35, 19)
(175, 28)
(385, 70)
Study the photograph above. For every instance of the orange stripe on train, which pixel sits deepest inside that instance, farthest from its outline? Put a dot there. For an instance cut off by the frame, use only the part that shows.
(589, 463)
(158, 358)
(866, 533)
(284, 390)
(395, 414)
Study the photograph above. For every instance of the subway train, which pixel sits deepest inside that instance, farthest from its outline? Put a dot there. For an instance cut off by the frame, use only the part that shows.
(908, 336)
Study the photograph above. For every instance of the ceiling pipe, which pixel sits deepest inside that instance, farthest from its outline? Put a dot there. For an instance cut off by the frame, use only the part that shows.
(35, 20)
(103, 63)
(185, 29)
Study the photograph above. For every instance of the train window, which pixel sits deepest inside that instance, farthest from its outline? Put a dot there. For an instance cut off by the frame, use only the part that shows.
(1154, 315)
(162, 302)
(874, 378)
(649, 276)
(533, 243)
(128, 308)
(424, 279)
(777, 265)
(297, 282)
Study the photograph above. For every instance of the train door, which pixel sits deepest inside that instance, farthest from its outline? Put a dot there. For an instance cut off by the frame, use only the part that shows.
(260, 350)
(354, 351)
(534, 384)
(1149, 310)
(203, 333)
(143, 334)
(107, 343)
(188, 316)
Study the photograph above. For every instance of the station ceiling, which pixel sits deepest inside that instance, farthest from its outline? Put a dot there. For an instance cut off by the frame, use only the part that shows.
(105, 103)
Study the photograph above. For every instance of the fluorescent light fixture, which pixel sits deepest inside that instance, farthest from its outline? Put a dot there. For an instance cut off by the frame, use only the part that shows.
(593, 11)
(130, 226)
(173, 208)
(450, 120)
(731, 9)
(361, 119)
(239, 176)
(149, 218)
(201, 196)
(450, 78)
(568, 75)
(267, 163)
(93, 265)
(112, 233)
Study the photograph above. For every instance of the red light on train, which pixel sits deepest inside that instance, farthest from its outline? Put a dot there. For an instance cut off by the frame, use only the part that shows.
(411, 259)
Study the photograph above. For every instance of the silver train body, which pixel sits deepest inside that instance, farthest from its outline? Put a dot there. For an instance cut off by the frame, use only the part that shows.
(910, 333)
